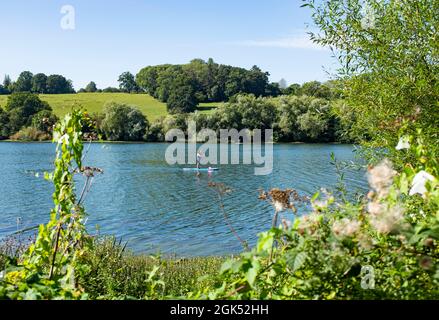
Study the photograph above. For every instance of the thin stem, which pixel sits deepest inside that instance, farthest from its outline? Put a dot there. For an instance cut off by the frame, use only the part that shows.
(52, 267)
(226, 218)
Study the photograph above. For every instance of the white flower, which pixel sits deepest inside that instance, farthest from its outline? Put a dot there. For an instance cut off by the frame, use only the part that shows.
(278, 206)
(345, 227)
(403, 143)
(2, 275)
(374, 208)
(419, 181)
(388, 221)
(324, 202)
(381, 177)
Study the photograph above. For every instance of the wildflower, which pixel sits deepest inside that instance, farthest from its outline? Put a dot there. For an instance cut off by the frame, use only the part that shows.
(321, 204)
(365, 242)
(374, 208)
(281, 200)
(403, 143)
(419, 182)
(279, 206)
(2, 275)
(309, 222)
(388, 221)
(381, 177)
(345, 227)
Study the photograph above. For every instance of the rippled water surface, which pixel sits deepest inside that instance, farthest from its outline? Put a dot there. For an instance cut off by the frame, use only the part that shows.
(157, 207)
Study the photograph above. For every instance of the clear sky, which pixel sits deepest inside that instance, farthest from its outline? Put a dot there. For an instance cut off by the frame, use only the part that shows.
(111, 37)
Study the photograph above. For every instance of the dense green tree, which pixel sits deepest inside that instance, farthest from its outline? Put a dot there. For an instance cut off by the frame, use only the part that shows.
(7, 82)
(39, 83)
(388, 58)
(122, 122)
(24, 82)
(3, 90)
(57, 84)
(44, 121)
(210, 82)
(108, 89)
(127, 83)
(182, 99)
(248, 112)
(91, 87)
(4, 124)
(292, 89)
(304, 118)
(315, 89)
(21, 107)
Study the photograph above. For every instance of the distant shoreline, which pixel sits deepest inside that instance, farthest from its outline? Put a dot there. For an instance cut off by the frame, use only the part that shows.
(145, 142)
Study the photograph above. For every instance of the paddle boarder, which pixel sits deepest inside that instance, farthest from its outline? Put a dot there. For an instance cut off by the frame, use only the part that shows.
(199, 156)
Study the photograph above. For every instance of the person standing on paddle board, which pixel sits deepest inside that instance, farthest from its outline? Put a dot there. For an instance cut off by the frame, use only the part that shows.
(199, 156)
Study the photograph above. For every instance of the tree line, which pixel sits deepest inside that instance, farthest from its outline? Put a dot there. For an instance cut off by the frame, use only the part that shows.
(38, 83)
(182, 87)
(292, 118)
(312, 114)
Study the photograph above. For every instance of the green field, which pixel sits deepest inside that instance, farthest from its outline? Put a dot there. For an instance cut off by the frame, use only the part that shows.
(94, 102)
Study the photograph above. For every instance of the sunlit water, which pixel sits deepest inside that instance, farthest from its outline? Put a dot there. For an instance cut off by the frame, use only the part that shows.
(161, 208)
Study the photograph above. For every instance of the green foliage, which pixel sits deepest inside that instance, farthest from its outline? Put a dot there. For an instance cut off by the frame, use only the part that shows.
(3, 90)
(21, 107)
(30, 134)
(24, 82)
(44, 121)
(127, 83)
(181, 100)
(388, 53)
(62, 104)
(389, 75)
(50, 266)
(4, 124)
(202, 81)
(110, 90)
(57, 84)
(315, 89)
(303, 118)
(39, 83)
(249, 112)
(122, 122)
(91, 87)
(114, 272)
(7, 83)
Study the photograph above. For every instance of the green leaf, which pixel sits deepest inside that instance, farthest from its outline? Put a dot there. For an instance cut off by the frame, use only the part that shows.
(299, 261)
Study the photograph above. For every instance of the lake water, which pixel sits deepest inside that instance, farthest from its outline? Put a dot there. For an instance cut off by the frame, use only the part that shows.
(157, 207)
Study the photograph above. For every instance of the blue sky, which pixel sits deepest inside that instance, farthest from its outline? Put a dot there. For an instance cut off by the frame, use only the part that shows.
(111, 37)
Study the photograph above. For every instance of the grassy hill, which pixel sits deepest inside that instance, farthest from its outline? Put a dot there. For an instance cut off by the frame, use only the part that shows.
(94, 102)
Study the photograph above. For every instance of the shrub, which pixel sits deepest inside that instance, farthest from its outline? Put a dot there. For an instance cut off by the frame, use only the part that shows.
(44, 121)
(31, 134)
(21, 107)
(122, 122)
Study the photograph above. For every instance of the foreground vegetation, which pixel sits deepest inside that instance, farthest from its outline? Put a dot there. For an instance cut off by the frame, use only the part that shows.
(383, 245)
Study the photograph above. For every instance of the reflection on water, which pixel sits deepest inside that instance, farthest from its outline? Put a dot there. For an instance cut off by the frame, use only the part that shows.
(157, 207)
